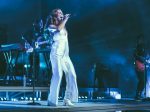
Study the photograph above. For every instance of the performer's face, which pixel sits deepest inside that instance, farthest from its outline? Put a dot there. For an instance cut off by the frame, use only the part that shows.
(59, 15)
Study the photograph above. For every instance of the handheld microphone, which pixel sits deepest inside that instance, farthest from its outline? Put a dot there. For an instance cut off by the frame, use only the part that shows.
(72, 15)
(68, 15)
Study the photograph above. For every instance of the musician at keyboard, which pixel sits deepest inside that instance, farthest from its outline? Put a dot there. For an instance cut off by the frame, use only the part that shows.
(30, 37)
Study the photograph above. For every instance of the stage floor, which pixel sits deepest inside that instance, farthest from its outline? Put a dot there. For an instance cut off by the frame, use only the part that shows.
(105, 105)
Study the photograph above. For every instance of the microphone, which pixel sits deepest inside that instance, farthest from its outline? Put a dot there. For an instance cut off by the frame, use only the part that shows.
(23, 38)
(68, 15)
(72, 15)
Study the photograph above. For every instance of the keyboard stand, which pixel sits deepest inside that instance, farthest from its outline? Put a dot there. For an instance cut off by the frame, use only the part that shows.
(10, 70)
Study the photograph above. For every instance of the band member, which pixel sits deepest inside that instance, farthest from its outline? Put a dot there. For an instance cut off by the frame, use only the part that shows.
(139, 55)
(60, 61)
(33, 35)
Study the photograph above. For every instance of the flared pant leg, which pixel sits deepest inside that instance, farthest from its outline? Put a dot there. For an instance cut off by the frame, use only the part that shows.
(71, 92)
(57, 73)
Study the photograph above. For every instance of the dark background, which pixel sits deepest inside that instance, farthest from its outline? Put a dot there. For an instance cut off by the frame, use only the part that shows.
(102, 31)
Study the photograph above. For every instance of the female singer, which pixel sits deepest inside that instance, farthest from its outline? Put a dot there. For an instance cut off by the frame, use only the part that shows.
(60, 61)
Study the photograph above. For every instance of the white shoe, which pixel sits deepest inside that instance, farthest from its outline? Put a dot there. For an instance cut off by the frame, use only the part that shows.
(51, 104)
(68, 103)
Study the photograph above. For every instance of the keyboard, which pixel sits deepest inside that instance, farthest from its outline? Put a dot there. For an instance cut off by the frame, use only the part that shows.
(11, 47)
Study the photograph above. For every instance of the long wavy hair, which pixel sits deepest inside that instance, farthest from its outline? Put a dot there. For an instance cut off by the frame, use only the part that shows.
(51, 19)
(54, 16)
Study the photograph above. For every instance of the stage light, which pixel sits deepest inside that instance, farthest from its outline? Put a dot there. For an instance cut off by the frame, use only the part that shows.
(2, 99)
(5, 99)
(25, 66)
(118, 96)
(115, 94)
(26, 98)
(99, 97)
(79, 97)
(21, 98)
(15, 99)
(12, 99)
(42, 65)
(39, 99)
(30, 98)
(34, 98)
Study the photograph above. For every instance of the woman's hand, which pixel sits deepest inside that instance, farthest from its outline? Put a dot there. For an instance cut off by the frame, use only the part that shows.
(63, 23)
(66, 16)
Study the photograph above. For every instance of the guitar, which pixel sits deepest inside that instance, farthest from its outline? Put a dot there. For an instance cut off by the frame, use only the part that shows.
(37, 44)
(141, 66)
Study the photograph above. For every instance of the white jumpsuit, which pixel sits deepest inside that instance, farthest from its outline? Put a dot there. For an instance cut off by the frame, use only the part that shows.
(60, 61)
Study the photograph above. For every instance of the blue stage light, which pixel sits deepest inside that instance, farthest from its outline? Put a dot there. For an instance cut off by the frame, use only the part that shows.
(30, 98)
(21, 98)
(115, 94)
(26, 98)
(39, 99)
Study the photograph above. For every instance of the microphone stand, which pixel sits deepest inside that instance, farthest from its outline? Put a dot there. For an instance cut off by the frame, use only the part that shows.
(33, 80)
